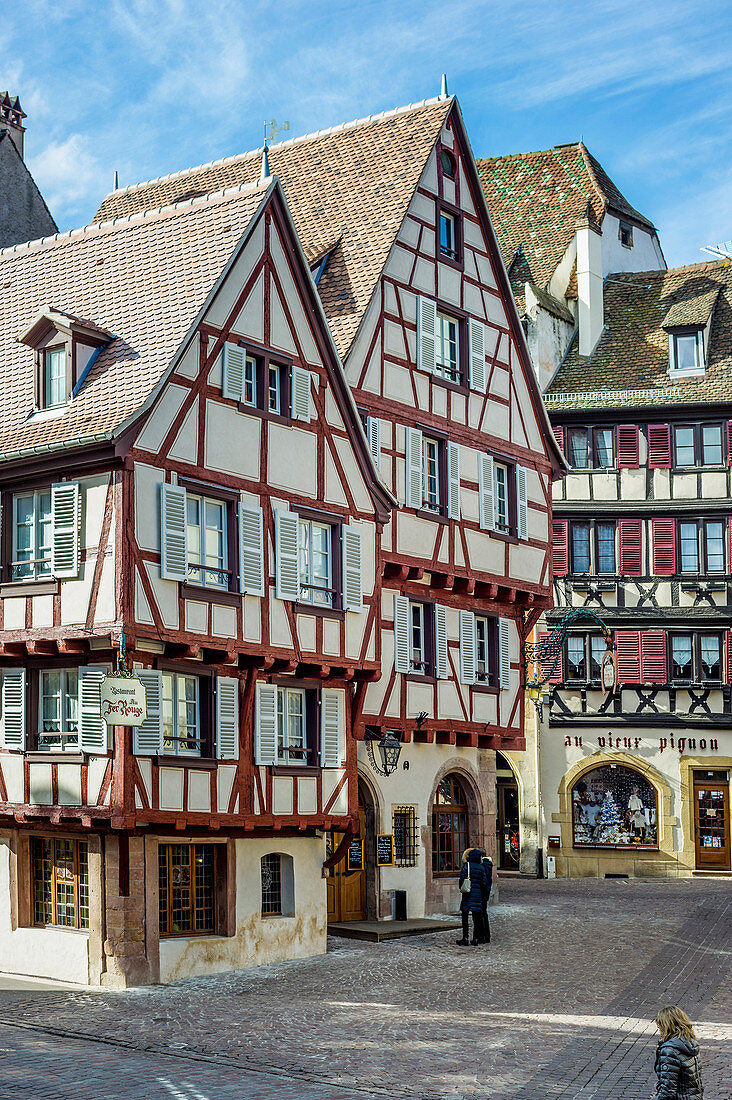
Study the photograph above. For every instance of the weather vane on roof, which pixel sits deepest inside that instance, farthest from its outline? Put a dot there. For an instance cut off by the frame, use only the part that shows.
(271, 130)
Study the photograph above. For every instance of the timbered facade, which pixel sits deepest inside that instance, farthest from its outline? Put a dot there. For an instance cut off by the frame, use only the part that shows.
(421, 311)
(185, 478)
(636, 780)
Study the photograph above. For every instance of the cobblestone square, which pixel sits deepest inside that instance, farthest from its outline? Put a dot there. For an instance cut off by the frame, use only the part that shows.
(559, 1005)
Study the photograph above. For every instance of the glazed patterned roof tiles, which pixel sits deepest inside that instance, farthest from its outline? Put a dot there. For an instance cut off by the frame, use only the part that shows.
(143, 278)
(349, 186)
(536, 199)
(630, 365)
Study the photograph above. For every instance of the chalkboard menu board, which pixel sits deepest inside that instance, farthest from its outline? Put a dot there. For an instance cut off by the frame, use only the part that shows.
(354, 855)
(384, 850)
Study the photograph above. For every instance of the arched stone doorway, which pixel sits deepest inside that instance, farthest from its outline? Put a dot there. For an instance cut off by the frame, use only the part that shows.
(508, 836)
(352, 889)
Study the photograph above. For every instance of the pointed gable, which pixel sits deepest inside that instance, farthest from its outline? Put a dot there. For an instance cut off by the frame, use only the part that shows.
(346, 197)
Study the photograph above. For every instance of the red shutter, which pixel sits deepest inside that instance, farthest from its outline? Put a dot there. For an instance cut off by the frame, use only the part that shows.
(729, 442)
(559, 436)
(558, 675)
(659, 446)
(627, 446)
(630, 538)
(729, 656)
(664, 547)
(627, 654)
(560, 547)
(653, 656)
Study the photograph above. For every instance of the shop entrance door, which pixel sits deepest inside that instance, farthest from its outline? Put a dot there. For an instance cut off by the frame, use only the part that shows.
(711, 821)
(347, 889)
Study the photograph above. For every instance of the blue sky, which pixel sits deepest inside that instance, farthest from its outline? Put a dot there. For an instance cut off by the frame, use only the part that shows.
(146, 87)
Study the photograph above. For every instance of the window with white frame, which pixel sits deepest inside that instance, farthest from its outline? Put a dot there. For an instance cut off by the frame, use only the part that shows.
(207, 541)
(686, 352)
(447, 363)
(292, 747)
(249, 389)
(54, 370)
(500, 482)
(418, 640)
(181, 714)
(448, 236)
(274, 388)
(431, 474)
(58, 709)
(316, 562)
(483, 668)
(31, 535)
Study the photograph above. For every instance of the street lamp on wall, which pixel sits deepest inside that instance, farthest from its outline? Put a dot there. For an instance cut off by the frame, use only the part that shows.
(389, 750)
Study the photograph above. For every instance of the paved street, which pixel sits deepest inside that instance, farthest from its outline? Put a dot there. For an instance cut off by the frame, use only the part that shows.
(558, 1006)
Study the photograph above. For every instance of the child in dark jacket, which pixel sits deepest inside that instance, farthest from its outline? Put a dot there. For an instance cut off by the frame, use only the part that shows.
(475, 901)
(677, 1066)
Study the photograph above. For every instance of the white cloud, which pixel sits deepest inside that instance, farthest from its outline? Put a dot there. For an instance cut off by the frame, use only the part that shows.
(68, 175)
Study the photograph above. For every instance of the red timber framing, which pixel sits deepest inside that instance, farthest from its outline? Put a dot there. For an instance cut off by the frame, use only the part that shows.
(207, 632)
(434, 559)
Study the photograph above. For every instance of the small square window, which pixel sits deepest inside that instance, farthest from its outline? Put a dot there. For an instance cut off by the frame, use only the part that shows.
(625, 234)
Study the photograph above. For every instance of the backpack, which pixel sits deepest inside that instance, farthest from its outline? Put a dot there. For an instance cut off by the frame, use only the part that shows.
(466, 886)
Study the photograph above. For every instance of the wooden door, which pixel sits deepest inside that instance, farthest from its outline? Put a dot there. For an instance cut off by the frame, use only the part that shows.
(507, 824)
(347, 889)
(712, 825)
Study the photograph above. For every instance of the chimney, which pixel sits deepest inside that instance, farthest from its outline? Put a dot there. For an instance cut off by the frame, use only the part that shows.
(11, 119)
(590, 313)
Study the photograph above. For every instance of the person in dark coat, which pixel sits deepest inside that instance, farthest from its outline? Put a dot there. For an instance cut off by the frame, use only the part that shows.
(476, 899)
(677, 1065)
(488, 864)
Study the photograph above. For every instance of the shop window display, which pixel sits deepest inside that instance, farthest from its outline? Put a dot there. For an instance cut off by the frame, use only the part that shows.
(614, 807)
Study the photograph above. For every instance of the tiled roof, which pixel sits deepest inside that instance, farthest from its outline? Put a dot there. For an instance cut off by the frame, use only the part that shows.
(351, 185)
(630, 364)
(143, 278)
(536, 199)
(692, 308)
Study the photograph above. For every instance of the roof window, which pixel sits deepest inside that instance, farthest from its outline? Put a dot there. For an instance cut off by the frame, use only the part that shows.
(686, 352)
(64, 348)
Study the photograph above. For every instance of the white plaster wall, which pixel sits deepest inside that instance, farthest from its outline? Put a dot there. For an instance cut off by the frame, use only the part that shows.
(415, 787)
(259, 939)
(645, 255)
(60, 954)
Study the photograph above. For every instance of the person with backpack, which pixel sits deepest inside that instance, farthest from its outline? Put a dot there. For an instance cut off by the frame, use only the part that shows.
(677, 1065)
(474, 891)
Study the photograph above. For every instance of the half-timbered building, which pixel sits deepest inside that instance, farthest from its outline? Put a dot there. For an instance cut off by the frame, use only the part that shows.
(185, 479)
(635, 780)
(395, 228)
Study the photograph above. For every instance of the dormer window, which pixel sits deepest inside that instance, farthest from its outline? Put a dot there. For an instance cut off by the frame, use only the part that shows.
(54, 377)
(64, 348)
(686, 351)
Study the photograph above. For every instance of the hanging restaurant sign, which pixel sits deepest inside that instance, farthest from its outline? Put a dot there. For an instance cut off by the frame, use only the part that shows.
(123, 701)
